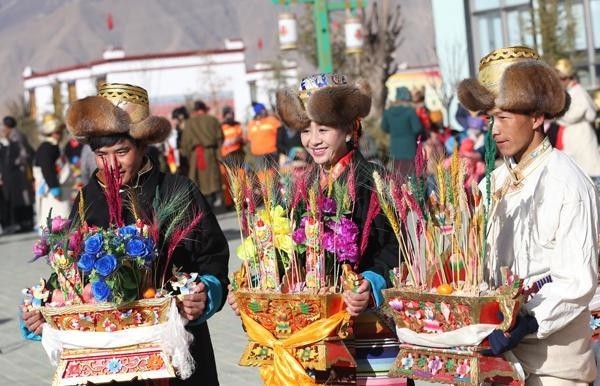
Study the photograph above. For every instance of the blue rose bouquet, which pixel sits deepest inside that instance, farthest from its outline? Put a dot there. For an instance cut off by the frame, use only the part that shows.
(117, 261)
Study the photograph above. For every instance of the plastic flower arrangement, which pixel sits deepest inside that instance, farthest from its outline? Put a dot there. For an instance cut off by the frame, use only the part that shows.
(115, 264)
(300, 237)
(440, 230)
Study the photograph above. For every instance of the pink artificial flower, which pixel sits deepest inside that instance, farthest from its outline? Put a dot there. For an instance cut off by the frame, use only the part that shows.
(88, 295)
(41, 248)
(59, 224)
(75, 239)
(58, 299)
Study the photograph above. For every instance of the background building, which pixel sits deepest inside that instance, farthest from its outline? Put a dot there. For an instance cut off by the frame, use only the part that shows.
(217, 76)
(481, 26)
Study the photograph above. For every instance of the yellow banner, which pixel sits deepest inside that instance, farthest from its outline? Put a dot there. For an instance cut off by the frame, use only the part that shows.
(287, 370)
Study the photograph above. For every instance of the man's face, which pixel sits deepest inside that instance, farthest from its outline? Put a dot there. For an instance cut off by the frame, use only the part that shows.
(514, 133)
(128, 156)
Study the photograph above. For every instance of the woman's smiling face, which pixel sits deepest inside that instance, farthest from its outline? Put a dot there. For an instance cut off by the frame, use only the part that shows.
(325, 144)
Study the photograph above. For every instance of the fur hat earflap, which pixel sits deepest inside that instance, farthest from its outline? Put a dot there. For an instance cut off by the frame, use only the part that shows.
(96, 116)
(291, 109)
(531, 86)
(118, 109)
(153, 129)
(474, 96)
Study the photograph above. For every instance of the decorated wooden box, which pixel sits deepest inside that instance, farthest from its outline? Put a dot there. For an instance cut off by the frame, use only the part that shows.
(453, 366)
(432, 315)
(103, 365)
(284, 316)
(426, 312)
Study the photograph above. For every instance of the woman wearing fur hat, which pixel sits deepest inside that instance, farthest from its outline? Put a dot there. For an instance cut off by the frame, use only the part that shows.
(327, 111)
(118, 126)
(543, 219)
(579, 139)
(51, 173)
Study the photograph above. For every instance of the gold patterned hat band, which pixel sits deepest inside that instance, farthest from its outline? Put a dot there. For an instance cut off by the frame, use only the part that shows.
(122, 92)
(492, 66)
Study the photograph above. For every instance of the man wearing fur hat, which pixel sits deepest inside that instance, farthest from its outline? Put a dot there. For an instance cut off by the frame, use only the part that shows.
(543, 219)
(118, 126)
(50, 173)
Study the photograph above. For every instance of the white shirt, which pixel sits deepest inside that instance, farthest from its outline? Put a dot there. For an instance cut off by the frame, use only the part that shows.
(547, 225)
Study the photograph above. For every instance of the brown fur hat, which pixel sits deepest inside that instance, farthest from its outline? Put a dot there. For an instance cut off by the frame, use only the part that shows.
(326, 99)
(514, 79)
(118, 109)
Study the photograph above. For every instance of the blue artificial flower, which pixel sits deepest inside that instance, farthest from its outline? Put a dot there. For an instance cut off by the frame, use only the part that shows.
(106, 265)
(114, 365)
(149, 243)
(86, 262)
(93, 244)
(129, 230)
(101, 291)
(136, 247)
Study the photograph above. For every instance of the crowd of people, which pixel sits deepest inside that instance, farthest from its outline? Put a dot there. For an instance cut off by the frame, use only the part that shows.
(543, 206)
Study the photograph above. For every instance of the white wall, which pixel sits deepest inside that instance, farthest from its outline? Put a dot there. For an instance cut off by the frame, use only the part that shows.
(168, 80)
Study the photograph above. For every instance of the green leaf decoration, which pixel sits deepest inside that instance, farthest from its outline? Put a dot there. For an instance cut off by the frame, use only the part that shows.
(304, 308)
(254, 306)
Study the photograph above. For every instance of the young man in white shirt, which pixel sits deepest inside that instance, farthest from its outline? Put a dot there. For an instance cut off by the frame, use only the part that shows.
(543, 218)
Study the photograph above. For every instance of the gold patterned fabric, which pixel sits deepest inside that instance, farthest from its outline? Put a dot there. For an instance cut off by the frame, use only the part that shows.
(492, 66)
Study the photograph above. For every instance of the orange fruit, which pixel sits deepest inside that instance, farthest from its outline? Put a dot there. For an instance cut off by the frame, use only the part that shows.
(149, 293)
(445, 289)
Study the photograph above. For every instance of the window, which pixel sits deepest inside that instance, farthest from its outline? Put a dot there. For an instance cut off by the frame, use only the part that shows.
(519, 27)
(481, 5)
(595, 11)
(490, 33)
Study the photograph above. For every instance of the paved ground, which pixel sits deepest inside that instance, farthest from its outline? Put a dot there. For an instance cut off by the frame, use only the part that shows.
(24, 363)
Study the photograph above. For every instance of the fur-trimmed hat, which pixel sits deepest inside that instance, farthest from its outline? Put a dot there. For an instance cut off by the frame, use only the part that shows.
(514, 79)
(565, 67)
(51, 124)
(118, 109)
(327, 99)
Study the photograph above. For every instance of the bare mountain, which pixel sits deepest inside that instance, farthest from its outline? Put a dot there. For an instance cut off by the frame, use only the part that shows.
(48, 34)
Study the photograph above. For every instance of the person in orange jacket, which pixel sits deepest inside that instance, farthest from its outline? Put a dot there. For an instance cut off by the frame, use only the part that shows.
(262, 135)
(232, 149)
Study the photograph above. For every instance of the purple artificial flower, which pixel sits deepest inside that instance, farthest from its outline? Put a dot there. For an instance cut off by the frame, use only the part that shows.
(347, 230)
(328, 241)
(299, 236)
(59, 224)
(328, 205)
(41, 248)
(347, 253)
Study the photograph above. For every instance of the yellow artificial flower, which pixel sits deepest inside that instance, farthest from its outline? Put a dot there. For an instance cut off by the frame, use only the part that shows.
(246, 250)
(284, 243)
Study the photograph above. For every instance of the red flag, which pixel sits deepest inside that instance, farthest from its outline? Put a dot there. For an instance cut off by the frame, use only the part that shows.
(109, 21)
(260, 43)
